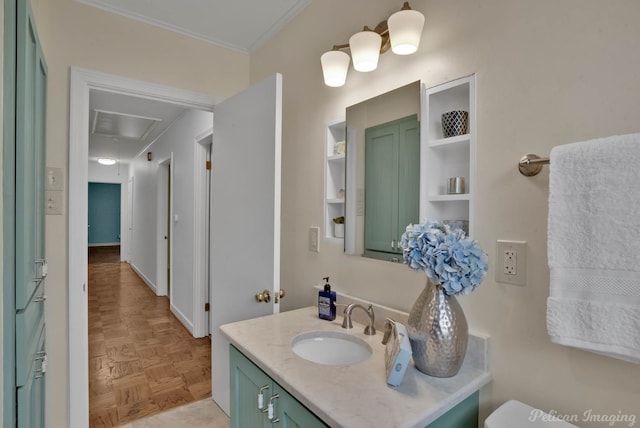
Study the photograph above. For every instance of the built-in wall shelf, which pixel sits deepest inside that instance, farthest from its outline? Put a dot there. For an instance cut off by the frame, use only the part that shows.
(451, 142)
(335, 169)
(447, 198)
(448, 157)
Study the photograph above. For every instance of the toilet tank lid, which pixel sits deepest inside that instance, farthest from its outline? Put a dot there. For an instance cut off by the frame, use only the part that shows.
(514, 413)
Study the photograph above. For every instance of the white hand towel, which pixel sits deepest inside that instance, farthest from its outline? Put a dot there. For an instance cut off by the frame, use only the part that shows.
(594, 246)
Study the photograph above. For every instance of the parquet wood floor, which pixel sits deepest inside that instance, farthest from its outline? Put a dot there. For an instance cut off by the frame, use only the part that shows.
(141, 359)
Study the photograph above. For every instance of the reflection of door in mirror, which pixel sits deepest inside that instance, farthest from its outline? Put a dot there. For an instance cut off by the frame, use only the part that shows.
(392, 176)
(382, 172)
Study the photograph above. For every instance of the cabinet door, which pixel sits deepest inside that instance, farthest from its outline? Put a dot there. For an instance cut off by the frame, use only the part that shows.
(392, 184)
(464, 415)
(30, 133)
(381, 187)
(30, 396)
(247, 381)
(292, 414)
(408, 174)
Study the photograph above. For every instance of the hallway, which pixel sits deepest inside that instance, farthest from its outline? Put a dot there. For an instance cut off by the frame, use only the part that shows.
(142, 361)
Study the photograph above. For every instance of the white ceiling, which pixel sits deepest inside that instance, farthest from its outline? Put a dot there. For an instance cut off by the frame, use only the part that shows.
(123, 148)
(241, 25)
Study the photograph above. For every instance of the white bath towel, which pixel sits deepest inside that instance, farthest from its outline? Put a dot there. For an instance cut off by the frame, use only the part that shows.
(594, 246)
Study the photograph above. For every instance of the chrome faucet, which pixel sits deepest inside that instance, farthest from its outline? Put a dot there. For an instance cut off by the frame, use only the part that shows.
(346, 322)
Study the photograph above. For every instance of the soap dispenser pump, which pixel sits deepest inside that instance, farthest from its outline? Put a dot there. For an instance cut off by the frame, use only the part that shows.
(327, 302)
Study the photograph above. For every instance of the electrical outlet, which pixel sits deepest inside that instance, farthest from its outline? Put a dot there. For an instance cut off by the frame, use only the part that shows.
(511, 258)
(314, 241)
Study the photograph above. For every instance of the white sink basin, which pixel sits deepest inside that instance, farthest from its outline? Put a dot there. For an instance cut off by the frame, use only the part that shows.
(331, 348)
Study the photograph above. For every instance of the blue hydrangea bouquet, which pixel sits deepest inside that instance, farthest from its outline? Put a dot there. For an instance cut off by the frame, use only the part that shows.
(446, 255)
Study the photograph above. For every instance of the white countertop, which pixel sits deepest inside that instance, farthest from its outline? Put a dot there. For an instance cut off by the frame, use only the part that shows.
(355, 395)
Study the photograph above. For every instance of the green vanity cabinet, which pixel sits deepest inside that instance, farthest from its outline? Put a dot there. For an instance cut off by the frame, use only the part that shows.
(392, 185)
(464, 415)
(246, 382)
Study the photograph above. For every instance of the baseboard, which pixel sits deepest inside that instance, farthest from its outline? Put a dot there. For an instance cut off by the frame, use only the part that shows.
(105, 244)
(142, 276)
(182, 318)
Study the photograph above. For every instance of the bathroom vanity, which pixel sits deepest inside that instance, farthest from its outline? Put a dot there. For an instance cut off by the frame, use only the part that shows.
(307, 394)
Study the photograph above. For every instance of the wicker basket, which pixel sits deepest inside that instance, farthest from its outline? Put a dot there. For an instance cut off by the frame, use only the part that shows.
(455, 123)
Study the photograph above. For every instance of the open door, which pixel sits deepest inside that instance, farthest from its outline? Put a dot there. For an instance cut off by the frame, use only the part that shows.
(245, 215)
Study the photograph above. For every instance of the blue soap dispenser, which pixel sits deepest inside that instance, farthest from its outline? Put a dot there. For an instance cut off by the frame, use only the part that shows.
(327, 302)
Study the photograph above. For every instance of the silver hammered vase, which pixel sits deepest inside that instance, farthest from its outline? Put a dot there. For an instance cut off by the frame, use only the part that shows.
(438, 332)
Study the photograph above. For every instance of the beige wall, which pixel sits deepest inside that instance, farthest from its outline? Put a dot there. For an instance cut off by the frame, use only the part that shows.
(76, 35)
(548, 73)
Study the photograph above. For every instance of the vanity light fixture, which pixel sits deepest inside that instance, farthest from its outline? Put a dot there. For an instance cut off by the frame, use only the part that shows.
(401, 32)
(106, 161)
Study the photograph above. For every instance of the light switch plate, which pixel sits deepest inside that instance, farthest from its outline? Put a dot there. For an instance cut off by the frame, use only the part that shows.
(511, 262)
(54, 179)
(314, 239)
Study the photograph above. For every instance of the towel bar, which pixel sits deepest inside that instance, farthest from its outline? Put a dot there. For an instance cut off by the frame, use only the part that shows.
(531, 164)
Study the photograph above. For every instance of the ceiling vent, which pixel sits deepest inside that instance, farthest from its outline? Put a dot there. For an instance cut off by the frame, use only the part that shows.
(121, 125)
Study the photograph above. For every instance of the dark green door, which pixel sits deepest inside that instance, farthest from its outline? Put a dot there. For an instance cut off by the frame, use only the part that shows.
(24, 209)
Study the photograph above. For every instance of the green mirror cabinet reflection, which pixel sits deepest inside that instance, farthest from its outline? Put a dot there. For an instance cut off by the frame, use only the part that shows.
(382, 172)
(399, 162)
(392, 191)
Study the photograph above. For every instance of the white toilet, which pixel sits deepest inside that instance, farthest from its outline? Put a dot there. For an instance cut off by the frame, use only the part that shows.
(516, 414)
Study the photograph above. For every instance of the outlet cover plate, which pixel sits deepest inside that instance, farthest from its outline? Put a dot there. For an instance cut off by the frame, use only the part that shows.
(506, 252)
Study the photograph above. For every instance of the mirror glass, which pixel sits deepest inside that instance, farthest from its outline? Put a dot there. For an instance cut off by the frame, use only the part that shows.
(382, 172)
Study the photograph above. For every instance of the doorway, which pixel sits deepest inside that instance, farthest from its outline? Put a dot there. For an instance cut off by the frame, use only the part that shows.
(165, 228)
(237, 197)
(82, 82)
(104, 214)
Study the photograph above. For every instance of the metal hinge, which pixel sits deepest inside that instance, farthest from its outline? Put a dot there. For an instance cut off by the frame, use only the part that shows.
(206, 307)
(208, 165)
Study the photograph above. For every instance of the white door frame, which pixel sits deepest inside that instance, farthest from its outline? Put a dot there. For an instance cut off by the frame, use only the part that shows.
(82, 82)
(129, 230)
(164, 254)
(201, 190)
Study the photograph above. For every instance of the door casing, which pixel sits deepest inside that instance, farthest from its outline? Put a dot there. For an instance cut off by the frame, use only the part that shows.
(82, 82)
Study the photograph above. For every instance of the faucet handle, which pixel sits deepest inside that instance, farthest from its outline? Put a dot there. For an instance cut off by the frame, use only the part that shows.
(346, 320)
(370, 329)
(388, 328)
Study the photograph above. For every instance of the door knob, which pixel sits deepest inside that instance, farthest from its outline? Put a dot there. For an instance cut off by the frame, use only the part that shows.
(265, 296)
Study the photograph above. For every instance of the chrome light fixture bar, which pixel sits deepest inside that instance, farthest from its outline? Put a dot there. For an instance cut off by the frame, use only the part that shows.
(401, 32)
